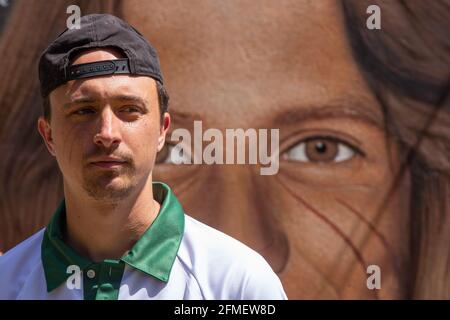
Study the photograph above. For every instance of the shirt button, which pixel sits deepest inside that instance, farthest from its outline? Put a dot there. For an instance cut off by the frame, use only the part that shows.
(91, 273)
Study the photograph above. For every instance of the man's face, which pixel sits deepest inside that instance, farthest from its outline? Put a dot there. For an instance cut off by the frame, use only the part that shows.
(105, 131)
(329, 212)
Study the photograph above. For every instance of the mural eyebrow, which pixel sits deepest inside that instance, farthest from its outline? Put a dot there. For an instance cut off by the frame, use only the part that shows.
(184, 119)
(330, 111)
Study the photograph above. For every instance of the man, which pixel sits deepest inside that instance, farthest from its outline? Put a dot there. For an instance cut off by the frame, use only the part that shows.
(110, 238)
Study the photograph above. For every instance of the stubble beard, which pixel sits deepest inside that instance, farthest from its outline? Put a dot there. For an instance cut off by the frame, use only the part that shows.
(99, 185)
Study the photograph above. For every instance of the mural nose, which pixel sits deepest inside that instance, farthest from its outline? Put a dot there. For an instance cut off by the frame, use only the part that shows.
(238, 201)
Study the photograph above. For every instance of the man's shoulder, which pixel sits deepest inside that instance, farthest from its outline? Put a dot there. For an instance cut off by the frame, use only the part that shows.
(18, 262)
(28, 248)
(224, 267)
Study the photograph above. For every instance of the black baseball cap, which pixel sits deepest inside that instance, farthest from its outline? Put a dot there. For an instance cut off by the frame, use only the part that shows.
(97, 31)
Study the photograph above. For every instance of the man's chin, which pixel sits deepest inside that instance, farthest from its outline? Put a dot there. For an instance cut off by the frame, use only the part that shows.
(108, 191)
(112, 195)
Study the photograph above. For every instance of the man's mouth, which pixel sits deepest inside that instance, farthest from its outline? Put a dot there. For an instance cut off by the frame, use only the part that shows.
(108, 162)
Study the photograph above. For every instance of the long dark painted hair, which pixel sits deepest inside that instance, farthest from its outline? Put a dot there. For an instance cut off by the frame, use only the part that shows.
(407, 65)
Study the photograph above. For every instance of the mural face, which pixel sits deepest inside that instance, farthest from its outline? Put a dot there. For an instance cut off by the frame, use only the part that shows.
(363, 174)
(290, 67)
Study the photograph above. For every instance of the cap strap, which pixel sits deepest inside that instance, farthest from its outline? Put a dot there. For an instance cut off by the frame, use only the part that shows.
(98, 68)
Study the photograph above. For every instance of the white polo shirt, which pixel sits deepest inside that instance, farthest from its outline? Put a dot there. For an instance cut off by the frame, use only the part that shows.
(177, 257)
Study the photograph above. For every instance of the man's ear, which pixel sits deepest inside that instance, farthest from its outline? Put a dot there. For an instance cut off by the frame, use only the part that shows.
(45, 131)
(163, 130)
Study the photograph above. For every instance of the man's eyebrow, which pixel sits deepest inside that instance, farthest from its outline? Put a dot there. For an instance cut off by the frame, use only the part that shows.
(79, 101)
(129, 98)
(120, 97)
(330, 111)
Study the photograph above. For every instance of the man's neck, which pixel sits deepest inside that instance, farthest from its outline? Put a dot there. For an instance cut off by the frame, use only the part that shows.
(100, 231)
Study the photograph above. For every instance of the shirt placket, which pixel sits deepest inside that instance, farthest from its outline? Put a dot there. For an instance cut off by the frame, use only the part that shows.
(102, 280)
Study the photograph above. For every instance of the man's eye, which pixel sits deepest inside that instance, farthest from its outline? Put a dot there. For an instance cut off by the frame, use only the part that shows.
(84, 111)
(320, 149)
(130, 109)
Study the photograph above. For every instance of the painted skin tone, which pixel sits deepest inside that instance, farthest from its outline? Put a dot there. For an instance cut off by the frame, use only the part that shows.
(329, 213)
(105, 133)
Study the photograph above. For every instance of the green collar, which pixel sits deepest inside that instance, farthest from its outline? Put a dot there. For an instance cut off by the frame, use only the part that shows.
(153, 254)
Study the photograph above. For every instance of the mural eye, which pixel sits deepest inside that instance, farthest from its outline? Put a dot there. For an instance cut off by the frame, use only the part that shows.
(163, 155)
(318, 149)
(173, 154)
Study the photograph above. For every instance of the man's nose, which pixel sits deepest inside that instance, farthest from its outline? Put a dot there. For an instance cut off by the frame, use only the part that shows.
(108, 129)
